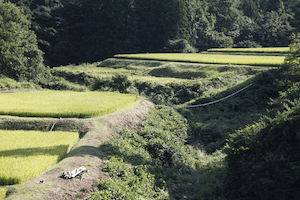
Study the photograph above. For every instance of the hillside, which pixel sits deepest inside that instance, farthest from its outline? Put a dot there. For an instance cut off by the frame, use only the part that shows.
(222, 124)
(174, 151)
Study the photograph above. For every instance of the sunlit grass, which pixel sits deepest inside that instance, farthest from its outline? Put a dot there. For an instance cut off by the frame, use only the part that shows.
(62, 103)
(253, 50)
(210, 58)
(2, 192)
(26, 154)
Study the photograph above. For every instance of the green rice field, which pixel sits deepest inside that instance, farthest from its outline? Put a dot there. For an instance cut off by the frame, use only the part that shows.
(26, 154)
(252, 50)
(2, 192)
(62, 103)
(209, 58)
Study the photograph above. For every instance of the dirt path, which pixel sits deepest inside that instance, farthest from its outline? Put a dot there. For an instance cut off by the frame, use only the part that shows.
(87, 153)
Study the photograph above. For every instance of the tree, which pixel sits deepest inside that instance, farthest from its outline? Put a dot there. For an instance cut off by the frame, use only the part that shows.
(20, 57)
(159, 21)
(275, 27)
(206, 34)
(293, 59)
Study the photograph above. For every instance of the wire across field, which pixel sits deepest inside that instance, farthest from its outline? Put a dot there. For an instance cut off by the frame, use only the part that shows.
(26, 154)
(252, 50)
(62, 103)
(209, 58)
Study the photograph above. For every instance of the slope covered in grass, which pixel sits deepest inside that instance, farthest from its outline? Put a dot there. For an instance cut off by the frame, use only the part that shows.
(263, 158)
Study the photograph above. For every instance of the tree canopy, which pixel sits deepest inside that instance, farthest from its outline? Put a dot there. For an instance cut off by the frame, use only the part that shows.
(20, 57)
(87, 30)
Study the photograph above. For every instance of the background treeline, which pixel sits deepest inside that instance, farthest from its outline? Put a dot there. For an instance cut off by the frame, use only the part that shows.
(75, 31)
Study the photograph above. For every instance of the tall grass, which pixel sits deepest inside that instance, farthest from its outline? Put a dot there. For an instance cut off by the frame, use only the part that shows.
(209, 58)
(26, 154)
(62, 103)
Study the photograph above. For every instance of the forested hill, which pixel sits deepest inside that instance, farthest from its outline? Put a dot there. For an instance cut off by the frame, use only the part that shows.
(75, 31)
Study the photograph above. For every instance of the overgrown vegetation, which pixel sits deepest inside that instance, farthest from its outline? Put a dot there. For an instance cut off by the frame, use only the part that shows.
(156, 163)
(263, 158)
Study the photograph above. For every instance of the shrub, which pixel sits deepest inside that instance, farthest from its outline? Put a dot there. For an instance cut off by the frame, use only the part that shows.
(180, 46)
(121, 82)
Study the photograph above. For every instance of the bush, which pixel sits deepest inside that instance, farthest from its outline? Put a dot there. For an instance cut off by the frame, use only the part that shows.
(121, 82)
(180, 46)
(58, 83)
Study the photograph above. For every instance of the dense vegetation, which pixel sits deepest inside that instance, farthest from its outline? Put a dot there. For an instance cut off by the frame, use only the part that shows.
(165, 160)
(263, 158)
(88, 31)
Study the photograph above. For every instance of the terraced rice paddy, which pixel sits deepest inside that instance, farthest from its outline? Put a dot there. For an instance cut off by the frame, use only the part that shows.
(252, 50)
(26, 154)
(62, 103)
(209, 58)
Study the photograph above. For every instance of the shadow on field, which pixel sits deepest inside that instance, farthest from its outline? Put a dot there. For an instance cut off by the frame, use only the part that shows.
(87, 150)
(54, 150)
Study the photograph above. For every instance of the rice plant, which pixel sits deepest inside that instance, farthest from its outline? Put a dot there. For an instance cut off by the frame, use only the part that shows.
(209, 58)
(252, 50)
(2, 192)
(26, 154)
(62, 103)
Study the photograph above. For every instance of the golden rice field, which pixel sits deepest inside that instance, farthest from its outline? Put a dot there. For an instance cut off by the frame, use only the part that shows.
(49, 103)
(209, 58)
(26, 154)
(252, 50)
